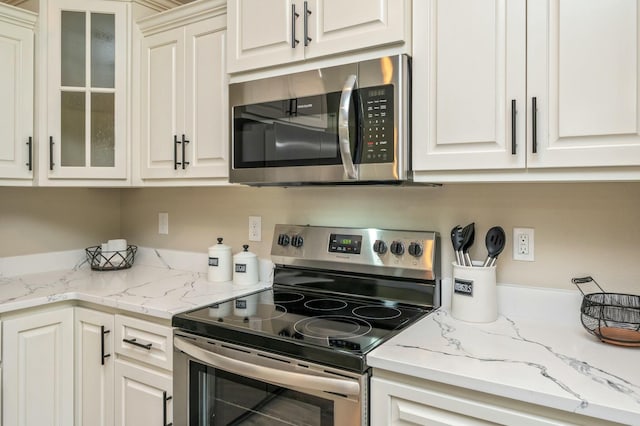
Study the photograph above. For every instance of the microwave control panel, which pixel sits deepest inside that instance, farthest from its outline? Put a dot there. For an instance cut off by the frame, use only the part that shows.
(378, 126)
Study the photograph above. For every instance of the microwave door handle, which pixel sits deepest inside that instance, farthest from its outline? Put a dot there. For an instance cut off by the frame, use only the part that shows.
(343, 127)
(272, 375)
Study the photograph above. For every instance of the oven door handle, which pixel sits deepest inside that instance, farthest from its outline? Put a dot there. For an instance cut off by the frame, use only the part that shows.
(266, 374)
(343, 127)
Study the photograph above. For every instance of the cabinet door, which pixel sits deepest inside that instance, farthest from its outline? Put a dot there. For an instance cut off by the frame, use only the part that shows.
(584, 72)
(337, 26)
(397, 404)
(263, 33)
(37, 358)
(468, 70)
(162, 103)
(94, 368)
(87, 105)
(143, 396)
(16, 108)
(206, 100)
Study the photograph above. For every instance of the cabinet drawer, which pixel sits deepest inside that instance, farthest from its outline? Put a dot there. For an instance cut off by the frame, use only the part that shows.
(144, 341)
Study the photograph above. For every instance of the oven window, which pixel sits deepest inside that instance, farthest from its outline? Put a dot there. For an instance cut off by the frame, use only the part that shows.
(217, 397)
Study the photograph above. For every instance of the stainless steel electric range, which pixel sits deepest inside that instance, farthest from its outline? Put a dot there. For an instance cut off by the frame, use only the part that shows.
(296, 353)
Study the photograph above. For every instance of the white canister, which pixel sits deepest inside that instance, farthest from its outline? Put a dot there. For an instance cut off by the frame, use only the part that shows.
(219, 262)
(246, 306)
(245, 267)
(474, 295)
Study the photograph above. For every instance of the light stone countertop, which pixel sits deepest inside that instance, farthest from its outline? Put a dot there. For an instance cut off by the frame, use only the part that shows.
(153, 286)
(535, 352)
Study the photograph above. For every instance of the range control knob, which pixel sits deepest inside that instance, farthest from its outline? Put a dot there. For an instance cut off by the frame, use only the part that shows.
(397, 248)
(380, 247)
(415, 249)
(283, 240)
(297, 241)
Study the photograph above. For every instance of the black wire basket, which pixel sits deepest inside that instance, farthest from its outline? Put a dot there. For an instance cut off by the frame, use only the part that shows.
(611, 317)
(110, 260)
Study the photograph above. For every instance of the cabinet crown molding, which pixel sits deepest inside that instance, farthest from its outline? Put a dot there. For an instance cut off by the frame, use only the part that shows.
(17, 16)
(180, 16)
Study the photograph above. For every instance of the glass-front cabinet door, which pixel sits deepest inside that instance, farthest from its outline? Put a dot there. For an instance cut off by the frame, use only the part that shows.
(87, 51)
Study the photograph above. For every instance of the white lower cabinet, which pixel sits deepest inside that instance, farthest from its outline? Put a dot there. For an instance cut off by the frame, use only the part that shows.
(94, 368)
(398, 400)
(57, 359)
(37, 381)
(143, 395)
(143, 381)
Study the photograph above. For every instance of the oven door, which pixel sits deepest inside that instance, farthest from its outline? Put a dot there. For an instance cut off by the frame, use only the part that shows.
(216, 383)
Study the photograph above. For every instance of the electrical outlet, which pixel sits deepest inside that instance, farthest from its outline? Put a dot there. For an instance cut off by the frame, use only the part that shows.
(523, 244)
(255, 228)
(163, 223)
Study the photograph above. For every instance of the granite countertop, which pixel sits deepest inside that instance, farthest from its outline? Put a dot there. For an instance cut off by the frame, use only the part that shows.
(153, 286)
(543, 357)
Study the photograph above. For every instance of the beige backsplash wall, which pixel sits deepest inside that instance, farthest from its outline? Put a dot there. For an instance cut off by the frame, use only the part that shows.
(582, 228)
(39, 220)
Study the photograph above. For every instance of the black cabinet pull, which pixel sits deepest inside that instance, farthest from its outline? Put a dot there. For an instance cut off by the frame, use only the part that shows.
(165, 399)
(51, 163)
(30, 145)
(134, 342)
(175, 152)
(185, 163)
(294, 16)
(306, 14)
(513, 126)
(534, 125)
(102, 354)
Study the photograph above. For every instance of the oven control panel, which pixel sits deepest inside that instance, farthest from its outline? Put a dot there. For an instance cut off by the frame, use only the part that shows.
(357, 248)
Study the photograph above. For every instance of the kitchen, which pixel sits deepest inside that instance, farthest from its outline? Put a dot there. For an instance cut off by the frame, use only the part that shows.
(577, 225)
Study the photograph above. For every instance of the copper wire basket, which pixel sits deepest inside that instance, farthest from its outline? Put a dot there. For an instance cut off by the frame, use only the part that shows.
(611, 317)
(110, 260)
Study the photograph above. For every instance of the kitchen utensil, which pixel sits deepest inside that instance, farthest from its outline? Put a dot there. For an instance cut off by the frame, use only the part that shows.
(456, 240)
(220, 263)
(495, 241)
(468, 237)
(245, 267)
(611, 317)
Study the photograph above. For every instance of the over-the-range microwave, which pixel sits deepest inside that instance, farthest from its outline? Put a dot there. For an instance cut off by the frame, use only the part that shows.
(335, 125)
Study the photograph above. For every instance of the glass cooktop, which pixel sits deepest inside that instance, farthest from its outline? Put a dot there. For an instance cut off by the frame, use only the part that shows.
(330, 329)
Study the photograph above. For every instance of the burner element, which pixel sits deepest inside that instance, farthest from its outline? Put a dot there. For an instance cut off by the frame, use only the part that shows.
(287, 297)
(376, 312)
(325, 304)
(332, 327)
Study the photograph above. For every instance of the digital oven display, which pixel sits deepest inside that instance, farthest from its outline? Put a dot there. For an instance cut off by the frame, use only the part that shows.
(341, 243)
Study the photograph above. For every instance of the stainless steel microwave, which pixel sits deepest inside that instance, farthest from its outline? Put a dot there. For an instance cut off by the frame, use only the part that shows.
(336, 125)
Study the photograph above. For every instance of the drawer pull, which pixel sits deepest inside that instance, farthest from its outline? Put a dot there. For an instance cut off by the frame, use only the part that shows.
(134, 342)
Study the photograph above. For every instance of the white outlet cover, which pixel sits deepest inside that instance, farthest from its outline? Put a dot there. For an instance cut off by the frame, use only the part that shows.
(163, 223)
(529, 232)
(255, 228)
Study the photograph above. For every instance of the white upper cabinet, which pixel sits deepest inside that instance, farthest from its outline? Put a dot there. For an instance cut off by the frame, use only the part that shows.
(16, 90)
(584, 72)
(575, 60)
(184, 124)
(266, 33)
(86, 108)
(469, 84)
